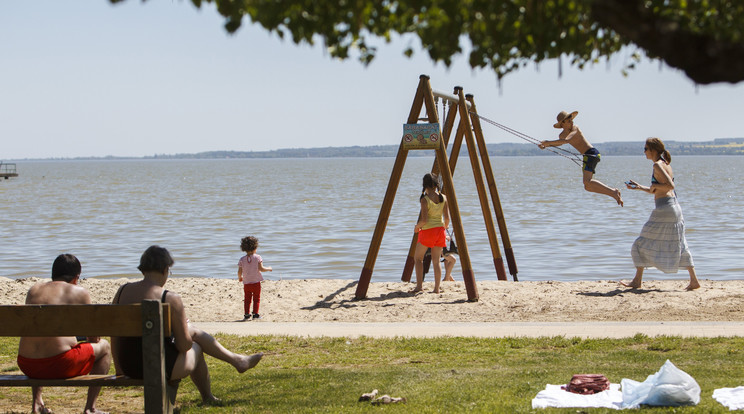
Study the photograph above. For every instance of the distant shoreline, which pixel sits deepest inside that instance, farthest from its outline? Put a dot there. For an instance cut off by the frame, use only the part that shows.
(718, 146)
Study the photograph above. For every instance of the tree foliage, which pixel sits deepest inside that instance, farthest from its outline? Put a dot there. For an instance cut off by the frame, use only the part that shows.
(701, 37)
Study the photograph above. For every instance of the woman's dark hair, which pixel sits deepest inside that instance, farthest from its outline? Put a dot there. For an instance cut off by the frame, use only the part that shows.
(248, 244)
(66, 267)
(657, 145)
(155, 258)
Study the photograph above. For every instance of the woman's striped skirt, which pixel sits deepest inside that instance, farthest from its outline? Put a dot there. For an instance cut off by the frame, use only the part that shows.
(662, 242)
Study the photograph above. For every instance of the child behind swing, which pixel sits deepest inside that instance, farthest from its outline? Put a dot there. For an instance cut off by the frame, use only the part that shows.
(449, 258)
(250, 267)
(433, 220)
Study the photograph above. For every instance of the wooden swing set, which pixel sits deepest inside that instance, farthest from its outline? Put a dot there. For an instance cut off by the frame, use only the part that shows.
(430, 137)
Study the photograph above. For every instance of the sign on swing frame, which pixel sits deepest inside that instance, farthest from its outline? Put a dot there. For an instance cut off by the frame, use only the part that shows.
(421, 136)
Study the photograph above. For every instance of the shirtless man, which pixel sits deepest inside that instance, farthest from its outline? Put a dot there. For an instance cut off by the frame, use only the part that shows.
(62, 357)
(571, 134)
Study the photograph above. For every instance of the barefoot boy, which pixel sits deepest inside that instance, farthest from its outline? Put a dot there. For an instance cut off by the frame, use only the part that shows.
(571, 134)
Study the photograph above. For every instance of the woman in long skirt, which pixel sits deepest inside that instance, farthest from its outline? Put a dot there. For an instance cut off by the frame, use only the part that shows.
(662, 242)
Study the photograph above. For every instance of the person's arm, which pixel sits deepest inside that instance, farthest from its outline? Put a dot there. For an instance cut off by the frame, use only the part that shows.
(632, 185)
(114, 351)
(445, 213)
(665, 182)
(80, 296)
(115, 301)
(561, 139)
(262, 268)
(554, 143)
(179, 323)
(558, 142)
(423, 214)
(85, 300)
(240, 273)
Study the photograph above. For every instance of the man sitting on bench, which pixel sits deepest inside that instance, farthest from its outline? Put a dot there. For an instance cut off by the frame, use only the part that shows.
(62, 357)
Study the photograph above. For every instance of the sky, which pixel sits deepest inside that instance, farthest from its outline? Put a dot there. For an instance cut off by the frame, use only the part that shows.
(89, 79)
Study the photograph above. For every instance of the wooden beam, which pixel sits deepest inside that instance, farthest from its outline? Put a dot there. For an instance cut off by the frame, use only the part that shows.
(79, 320)
(498, 262)
(493, 190)
(392, 188)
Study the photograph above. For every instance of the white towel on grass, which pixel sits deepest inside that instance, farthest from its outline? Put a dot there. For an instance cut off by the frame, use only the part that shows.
(731, 398)
(554, 396)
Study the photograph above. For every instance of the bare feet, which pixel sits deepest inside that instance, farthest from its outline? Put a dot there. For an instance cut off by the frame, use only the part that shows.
(416, 292)
(693, 286)
(630, 285)
(616, 196)
(440, 290)
(93, 411)
(41, 409)
(211, 400)
(248, 362)
(448, 279)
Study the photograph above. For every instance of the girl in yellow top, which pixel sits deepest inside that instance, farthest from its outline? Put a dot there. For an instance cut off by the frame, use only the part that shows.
(431, 225)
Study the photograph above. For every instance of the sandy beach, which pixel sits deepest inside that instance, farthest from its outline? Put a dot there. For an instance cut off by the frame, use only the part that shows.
(319, 300)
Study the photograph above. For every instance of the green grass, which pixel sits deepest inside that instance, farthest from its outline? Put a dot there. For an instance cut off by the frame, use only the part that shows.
(327, 375)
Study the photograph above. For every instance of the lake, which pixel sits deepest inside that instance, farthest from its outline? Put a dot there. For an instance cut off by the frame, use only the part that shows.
(315, 217)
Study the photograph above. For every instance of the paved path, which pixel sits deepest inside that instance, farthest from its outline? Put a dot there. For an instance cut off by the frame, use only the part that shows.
(476, 329)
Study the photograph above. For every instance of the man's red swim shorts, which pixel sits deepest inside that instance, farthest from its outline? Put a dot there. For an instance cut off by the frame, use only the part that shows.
(77, 361)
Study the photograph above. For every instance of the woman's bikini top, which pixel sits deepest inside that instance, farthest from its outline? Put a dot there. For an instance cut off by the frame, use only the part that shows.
(655, 181)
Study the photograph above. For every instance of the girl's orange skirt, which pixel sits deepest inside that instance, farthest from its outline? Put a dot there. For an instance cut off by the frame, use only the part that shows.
(434, 237)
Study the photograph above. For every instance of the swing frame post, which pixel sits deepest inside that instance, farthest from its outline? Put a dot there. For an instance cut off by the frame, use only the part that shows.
(469, 129)
(449, 190)
(424, 96)
(462, 245)
(387, 203)
(446, 132)
(488, 171)
(456, 145)
(498, 262)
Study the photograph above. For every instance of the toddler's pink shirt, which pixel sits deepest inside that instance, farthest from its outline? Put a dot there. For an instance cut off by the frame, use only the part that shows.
(249, 264)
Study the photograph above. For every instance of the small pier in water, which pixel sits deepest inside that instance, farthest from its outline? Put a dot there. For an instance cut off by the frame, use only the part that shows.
(8, 170)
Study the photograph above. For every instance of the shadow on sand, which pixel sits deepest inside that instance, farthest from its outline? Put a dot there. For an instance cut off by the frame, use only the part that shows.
(619, 292)
(330, 300)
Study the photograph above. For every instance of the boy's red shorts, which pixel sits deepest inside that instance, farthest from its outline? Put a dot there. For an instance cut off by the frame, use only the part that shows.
(433, 237)
(77, 361)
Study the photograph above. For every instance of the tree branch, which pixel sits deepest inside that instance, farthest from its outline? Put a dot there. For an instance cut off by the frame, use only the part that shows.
(703, 58)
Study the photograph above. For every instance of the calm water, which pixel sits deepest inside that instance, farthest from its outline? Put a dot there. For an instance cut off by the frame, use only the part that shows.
(315, 217)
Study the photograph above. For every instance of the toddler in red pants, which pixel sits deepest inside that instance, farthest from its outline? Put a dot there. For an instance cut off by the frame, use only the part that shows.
(250, 267)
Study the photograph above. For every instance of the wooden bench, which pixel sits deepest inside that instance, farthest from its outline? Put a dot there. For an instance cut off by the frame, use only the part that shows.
(150, 320)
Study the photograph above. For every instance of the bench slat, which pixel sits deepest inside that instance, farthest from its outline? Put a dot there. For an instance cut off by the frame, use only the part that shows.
(150, 320)
(79, 320)
(81, 381)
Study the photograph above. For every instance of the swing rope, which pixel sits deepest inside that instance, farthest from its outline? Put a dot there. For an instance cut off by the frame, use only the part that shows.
(572, 156)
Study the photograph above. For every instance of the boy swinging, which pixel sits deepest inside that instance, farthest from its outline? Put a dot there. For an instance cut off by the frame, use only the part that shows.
(571, 134)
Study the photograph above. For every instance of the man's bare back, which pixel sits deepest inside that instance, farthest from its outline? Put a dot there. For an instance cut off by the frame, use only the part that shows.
(93, 357)
(52, 293)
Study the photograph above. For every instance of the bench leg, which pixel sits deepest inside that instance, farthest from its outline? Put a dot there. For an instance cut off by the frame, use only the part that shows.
(171, 389)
